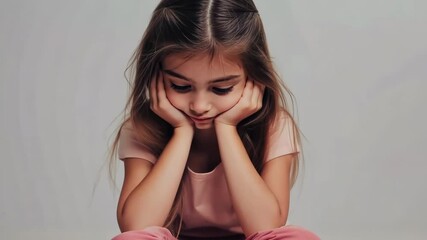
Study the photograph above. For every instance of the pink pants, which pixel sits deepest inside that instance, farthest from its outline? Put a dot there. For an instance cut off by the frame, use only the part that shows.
(289, 232)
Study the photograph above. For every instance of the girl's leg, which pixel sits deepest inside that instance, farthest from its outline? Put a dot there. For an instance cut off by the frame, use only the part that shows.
(150, 233)
(289, 232)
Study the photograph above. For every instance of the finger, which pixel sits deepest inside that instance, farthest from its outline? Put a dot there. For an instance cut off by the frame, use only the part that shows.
(161, 88)
(256, 95)
(153, 91)
(261, 96)
(247, 91)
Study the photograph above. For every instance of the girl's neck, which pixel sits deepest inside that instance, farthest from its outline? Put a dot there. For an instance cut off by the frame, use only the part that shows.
(205, 137)
(204, 153)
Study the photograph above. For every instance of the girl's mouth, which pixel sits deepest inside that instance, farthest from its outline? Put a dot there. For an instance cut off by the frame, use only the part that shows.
(201, 120)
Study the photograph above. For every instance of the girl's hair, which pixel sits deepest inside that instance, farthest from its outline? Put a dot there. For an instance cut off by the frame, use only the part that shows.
(226, 27)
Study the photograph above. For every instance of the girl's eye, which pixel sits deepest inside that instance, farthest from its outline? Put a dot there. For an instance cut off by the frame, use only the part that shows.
(222, 91)
(180, 88)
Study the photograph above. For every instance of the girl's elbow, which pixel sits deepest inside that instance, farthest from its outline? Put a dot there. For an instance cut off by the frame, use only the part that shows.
(273, 222)
(283, 218)
(278, 221)
(131, 222)
(126, 226)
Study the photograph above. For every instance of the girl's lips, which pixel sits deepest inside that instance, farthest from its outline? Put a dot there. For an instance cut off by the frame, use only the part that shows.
(200, 119)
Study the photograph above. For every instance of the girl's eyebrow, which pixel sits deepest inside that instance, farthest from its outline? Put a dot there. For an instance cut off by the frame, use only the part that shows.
(221, 79)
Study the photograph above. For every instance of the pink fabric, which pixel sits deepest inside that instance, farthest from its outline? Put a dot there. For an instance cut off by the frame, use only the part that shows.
(207, 203)
(150, 233)
(280, 141)
(282, 233)
(290, 232)
(130, 147)
(207, 206)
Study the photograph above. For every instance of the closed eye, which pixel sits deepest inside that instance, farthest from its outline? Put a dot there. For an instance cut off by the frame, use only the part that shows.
(180, 88)
(222, 91)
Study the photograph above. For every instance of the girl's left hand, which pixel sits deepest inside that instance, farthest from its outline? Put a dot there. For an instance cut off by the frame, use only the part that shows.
(248, 104)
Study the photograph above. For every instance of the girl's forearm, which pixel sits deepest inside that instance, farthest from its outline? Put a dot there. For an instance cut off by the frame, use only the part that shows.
(150, 202)
(256, 206)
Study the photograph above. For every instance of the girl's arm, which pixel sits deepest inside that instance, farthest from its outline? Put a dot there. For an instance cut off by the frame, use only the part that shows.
(260, 202)
(148, 191)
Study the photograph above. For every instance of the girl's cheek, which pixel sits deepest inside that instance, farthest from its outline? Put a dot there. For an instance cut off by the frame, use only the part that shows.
(170, 94)
(231, 101)
(175, 99)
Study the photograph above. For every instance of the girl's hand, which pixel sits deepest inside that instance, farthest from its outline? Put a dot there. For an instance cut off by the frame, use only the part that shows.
(161, 105)
(249, 103)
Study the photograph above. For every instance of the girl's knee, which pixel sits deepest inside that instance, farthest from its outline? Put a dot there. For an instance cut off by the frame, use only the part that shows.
(149, 233)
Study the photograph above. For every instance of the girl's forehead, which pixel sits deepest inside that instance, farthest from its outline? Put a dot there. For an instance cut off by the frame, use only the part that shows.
(202, 61)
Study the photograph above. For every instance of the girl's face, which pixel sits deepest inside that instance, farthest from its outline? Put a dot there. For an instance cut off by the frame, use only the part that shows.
(202, 87)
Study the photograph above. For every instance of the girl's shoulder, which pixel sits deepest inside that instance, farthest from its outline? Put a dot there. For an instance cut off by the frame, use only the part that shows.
(283, 136)
(282, 119)
(131, 145)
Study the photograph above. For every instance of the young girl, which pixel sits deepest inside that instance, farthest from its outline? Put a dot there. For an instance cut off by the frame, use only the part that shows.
(209, 147)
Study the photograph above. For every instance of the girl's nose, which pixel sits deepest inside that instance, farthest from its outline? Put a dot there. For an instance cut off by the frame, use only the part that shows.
(199, 106)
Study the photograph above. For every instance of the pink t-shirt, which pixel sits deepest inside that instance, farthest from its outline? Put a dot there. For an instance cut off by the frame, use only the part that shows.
(207, 207)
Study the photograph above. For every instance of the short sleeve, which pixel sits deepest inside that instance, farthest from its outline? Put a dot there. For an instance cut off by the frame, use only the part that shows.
(281, 140)
(130, 147)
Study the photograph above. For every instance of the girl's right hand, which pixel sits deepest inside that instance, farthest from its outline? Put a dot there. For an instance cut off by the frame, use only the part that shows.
(161, 105)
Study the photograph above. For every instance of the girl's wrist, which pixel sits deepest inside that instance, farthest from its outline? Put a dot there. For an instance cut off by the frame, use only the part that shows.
(221, 125)
(186, 129)
(219, 121)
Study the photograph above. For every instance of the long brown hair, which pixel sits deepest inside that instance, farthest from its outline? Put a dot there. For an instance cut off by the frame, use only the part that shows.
(230, 27)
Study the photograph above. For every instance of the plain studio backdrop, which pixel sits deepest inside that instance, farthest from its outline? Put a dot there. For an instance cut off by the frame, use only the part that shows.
(357, 68)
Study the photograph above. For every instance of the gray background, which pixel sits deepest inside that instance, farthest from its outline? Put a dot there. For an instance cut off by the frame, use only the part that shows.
(357, 68)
